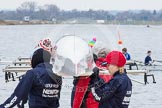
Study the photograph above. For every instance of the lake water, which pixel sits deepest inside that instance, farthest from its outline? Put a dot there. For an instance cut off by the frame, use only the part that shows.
(20, 40)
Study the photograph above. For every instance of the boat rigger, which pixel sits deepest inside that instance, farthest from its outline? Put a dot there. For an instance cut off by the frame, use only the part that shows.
(17, 69)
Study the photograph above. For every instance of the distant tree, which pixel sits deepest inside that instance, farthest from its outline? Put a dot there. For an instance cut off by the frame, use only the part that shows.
(41, 13)
(144, 15)
(1, 11)
(52, 11)
(8, 15)
(154, 12)
(27, 8)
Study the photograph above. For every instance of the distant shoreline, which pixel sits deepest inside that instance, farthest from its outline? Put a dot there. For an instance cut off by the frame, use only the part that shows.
(37, 22)
(16, 22)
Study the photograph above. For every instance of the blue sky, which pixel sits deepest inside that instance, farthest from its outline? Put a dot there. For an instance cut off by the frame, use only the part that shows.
(90, 4)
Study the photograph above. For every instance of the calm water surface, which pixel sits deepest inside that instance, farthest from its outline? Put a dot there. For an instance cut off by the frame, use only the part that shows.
(20, 40)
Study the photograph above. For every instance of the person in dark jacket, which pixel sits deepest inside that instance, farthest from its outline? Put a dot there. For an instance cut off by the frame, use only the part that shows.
(148, 59)
(40, 84)
(127, 55)
(117, 92)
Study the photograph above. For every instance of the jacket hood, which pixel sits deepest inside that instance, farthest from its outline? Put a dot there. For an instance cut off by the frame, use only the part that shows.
(40, 56)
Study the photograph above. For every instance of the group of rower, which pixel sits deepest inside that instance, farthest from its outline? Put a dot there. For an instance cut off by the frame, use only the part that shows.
(148, 60)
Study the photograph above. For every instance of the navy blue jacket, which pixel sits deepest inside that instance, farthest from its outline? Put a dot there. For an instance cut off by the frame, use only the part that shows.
(42, 90)
(147, 60)
(114, 94)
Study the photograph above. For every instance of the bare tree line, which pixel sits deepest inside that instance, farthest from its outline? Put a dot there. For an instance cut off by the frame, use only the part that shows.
(49, 11)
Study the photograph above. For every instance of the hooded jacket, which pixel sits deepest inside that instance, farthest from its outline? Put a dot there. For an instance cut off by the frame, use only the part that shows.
(40, 85)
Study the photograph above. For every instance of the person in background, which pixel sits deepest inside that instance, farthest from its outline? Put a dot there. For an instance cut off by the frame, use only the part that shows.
(148, 59)
(127, 55)
(100, 50)
(40, 84)
(117, 92)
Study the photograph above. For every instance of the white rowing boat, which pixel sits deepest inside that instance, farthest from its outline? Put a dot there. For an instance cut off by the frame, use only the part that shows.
(133, 64)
